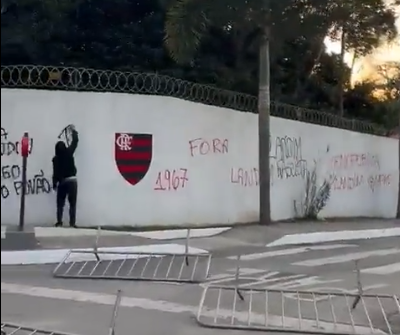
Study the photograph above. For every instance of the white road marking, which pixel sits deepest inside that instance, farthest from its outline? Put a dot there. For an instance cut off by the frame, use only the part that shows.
(292, 251)
(246, 271)
(255, 281)
(168, 307)
(308, 281)
(52, 256)
(154, 235)
(181, 233)
(333, 290)
(267, 279)
(330, 236)
(230, 274)
(383, 270)
(348, 257)
(272, 280)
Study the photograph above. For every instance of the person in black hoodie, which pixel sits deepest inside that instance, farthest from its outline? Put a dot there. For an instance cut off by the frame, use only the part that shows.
(64, 178)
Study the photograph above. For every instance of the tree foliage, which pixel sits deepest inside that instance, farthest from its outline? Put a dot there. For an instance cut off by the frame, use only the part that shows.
(211, 42)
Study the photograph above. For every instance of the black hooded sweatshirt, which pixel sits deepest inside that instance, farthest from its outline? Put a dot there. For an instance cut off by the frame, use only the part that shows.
(63, 161)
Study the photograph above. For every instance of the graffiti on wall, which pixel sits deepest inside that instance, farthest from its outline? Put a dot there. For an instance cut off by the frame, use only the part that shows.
(201, 146)
(286, 157)
(286, 162)
(349, 171)
(11, 182)
(171, 180)
(245, 177)
(11, 173)
(133, 155)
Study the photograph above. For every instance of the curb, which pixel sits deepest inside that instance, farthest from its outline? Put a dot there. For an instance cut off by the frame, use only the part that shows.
(161, 235)
(332, 236)
(55, 256)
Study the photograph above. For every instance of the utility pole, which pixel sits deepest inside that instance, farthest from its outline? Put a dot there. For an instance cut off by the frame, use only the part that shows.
(264, 111)
(398, 134)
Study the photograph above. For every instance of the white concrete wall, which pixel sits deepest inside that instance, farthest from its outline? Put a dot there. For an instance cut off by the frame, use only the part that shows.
(221, 185)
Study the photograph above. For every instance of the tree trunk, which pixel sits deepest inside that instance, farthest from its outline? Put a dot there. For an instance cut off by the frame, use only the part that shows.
(353, 64)
(321, 49)
(299, 85)
(264, 109)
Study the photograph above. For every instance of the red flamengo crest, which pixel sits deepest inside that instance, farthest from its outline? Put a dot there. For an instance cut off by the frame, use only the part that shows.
(133, 154)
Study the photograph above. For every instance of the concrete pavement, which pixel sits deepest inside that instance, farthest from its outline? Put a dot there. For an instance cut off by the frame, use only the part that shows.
(30, 295)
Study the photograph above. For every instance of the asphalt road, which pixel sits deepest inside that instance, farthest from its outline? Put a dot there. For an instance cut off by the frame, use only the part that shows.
(31, 296)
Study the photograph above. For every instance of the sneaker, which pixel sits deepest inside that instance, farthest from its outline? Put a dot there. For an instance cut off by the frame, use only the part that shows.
(58, 224)
(73, 225)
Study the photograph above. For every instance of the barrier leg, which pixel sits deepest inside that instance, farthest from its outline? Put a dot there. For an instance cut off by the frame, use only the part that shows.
(237, 276)
(96, 244)
(187, 247)
(359, 286)
(115, 313)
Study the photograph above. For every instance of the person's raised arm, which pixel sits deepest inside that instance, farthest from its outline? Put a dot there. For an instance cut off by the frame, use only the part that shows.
(75, 140)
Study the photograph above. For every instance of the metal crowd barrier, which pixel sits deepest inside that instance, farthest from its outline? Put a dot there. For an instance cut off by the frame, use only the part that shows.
(14, 329)
(294, 311)
(270, 310)
(122, 265)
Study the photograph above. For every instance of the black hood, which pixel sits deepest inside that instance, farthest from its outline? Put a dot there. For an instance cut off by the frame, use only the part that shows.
(60, 149)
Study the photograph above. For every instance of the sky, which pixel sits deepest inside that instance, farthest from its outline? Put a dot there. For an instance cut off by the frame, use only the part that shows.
(364, 67)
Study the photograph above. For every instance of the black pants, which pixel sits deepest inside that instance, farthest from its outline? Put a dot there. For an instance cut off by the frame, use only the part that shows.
(67, 189)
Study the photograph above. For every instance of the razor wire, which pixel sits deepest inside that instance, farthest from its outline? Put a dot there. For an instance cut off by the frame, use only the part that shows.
(85, 79)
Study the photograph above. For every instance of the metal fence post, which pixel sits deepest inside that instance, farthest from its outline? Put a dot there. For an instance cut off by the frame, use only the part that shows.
(24, 154)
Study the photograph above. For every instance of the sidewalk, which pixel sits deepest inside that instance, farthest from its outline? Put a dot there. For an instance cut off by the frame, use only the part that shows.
(43, 232)
(255, 235)
(215, 240)
(298, 230)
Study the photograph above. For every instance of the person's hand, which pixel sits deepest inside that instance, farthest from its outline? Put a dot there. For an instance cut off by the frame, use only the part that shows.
(54, 187)
(73, 129)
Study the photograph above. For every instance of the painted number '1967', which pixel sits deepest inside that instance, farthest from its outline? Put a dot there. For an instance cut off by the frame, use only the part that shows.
(171, 180)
